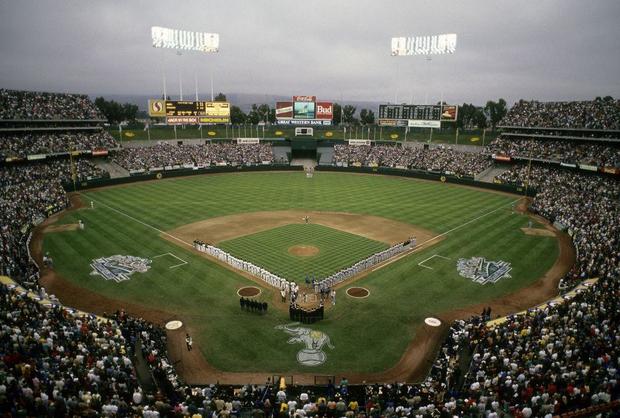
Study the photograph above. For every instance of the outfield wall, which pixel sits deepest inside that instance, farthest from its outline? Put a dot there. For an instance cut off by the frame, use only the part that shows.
(89, 184)
(425, 175)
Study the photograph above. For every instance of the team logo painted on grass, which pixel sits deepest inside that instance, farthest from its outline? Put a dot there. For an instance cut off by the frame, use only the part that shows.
(312, 355)
(119, 267)
(482, 271)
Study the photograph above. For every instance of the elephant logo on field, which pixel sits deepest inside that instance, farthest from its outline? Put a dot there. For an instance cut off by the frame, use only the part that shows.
(312, 354)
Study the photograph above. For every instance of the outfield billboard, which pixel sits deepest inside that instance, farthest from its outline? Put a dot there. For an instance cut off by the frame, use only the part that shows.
(284, 110)
(418, 123)
(304, 110)
(324, 110)
(449, 113)
(193, 112)
(216, 112)
(157, 108)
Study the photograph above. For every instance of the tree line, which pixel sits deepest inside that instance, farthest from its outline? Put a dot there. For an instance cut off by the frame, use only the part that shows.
(470, 116)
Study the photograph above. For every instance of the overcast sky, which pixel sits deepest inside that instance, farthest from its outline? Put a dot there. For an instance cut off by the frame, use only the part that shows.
(534, 49)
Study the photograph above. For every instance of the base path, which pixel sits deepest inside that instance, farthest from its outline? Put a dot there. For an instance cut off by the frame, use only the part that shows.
(224, 228)
(414, 363)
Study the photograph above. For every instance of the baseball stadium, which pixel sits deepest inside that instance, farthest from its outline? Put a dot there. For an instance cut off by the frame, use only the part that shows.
(345, 254)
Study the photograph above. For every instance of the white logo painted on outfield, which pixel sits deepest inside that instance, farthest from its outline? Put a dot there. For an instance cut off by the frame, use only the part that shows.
(119, 267)
(482, 271)
(312, 355)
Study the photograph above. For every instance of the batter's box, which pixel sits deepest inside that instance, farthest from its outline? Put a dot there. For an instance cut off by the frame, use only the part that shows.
(426, 266)
(179, 261)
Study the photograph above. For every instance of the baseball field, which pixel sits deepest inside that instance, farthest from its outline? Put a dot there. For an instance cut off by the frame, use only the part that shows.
(261, 217)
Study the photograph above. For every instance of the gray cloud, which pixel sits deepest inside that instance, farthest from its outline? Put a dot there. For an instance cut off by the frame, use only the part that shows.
(548, 49)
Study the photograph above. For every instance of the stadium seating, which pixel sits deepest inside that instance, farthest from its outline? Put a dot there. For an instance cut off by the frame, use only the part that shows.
(439, 159)
(30, 105)
(162, 155)
(561, 358)
(594, 114)
(28, 143)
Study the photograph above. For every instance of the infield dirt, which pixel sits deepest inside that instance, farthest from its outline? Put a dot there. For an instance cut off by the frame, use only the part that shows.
(413, 364)
(225, 228)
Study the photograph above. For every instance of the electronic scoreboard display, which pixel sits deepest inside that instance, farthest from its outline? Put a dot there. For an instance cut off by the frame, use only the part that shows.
(422, 116)
(418, 112)
(185, 108)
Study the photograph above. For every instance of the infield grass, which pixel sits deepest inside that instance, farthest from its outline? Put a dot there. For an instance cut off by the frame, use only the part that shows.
(270, 250)
(369, 334)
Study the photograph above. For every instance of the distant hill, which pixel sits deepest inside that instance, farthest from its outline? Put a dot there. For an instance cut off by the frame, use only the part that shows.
(244, 101)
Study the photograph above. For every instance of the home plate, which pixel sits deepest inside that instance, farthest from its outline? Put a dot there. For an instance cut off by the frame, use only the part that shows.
(432, 322)
(172, 325)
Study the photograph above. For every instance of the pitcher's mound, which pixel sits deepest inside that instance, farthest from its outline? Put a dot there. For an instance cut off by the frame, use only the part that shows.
(303, 250)
(358, 292)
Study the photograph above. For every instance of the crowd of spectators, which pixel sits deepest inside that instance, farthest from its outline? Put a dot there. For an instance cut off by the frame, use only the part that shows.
(546, 362)
(594, 114)
(58, 362)
(439, 159)
(31, 105)
(27, 143)
(29, 194)
(165, 154)
(557, 150)
(587, 205)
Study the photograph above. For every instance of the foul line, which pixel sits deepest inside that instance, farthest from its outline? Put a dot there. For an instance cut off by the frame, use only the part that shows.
(143, 223)
(421, 245)
(183, 262)
(415, 249)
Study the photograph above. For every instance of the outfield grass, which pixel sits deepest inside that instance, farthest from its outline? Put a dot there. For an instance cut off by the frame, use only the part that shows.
(270, 250)
(368, 334)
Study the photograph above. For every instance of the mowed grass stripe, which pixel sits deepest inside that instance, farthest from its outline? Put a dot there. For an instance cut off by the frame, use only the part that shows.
(177, 207)
(269, 249)
(204, 293)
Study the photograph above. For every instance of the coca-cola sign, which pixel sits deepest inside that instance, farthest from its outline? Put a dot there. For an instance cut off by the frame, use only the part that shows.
(304, 98)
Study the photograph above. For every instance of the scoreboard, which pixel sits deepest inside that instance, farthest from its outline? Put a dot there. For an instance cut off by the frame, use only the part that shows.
(419, 112)
(181, 112)
(185, 108)
(416, 115)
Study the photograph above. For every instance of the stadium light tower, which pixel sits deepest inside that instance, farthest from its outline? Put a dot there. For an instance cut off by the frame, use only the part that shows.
(183, 40)
(426, 45)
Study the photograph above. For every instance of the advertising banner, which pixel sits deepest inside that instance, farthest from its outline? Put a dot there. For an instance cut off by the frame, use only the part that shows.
(157, 108)
(392, 122)
(505, 158)
(182, 120)
(449, 113)
(358, 142)
(284, 110)
(216, 112)
(588, 167)
(248, 141)
(311, 122)
(324, 110)
(304, 99)
(419, 123)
